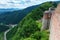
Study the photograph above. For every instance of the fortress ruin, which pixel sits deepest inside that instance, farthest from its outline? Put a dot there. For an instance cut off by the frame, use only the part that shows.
(51, 19)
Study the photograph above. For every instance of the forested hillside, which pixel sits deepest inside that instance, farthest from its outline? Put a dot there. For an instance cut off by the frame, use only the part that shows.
(29, 27)
(1, 36)
(3, 28)
(14, 17)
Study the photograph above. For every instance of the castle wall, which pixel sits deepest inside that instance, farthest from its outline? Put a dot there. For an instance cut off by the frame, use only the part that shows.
(46, 20)
(55, 25)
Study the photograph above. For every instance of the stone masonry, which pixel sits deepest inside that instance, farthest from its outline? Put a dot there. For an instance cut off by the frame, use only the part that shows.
(46, 19)
(55, 24)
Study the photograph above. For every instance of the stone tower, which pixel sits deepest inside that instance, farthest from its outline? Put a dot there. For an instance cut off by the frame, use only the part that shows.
(55, 24)
(46, 19)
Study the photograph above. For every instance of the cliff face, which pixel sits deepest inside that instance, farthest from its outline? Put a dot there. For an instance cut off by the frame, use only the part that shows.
(55, 24)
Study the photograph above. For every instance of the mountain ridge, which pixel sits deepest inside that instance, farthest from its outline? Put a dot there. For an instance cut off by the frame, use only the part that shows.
(13, 17)
(29, 28)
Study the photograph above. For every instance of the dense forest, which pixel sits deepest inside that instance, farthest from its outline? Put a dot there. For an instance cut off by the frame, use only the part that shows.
(1, 35)
(14, 17)
(29, 27)
(3, 28)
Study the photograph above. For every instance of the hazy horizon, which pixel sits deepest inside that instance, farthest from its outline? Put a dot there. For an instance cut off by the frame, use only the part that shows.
(20, 4)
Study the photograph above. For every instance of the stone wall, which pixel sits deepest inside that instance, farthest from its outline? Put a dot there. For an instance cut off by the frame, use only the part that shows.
(46, 20)
(55, 25)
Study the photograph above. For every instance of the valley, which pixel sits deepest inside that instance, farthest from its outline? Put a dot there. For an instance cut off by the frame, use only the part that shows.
(10, 19)
(10, 27)
(29, 28)
(25, 24)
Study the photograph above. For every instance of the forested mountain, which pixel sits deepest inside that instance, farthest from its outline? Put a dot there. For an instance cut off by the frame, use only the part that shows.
(2, 10)
(3, 28)
(13, 17)
(29, 27)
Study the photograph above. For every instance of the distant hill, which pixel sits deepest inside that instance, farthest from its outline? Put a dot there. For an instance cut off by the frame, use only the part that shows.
(29, 27)
(2, 10)
(13, 17)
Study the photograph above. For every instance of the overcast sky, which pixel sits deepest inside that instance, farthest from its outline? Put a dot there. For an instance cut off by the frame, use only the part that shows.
(20, 3)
